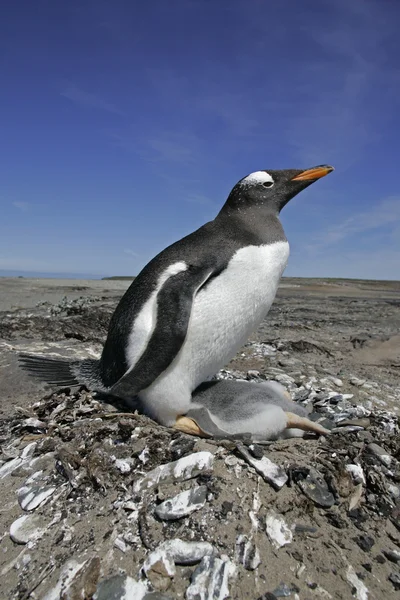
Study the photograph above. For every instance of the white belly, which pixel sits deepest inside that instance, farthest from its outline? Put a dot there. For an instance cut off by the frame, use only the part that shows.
(223, 316)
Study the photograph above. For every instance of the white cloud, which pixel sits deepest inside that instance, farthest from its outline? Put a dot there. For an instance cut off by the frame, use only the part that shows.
(82, 98)
(23, 206)
(384, 213)
(130, 252)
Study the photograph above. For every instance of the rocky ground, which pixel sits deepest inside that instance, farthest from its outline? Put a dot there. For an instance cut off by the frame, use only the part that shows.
(99, 502)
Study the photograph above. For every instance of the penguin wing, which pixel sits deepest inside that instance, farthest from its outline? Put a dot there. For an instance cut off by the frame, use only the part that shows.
(174, 306)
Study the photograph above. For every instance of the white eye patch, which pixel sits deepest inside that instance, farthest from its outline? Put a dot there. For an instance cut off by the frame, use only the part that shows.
(258, 177)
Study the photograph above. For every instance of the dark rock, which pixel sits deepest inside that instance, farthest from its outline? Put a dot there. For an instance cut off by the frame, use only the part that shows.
(395, 579)
(314, 486)
(380, 559)
(256, 451)
(392, 555)
(181, 447)
(367, 567)
(365, 542)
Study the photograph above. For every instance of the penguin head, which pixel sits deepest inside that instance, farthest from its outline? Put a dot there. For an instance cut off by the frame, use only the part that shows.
(273, 189)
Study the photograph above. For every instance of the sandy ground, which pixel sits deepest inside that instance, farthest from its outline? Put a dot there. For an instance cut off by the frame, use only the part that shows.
(329, 335)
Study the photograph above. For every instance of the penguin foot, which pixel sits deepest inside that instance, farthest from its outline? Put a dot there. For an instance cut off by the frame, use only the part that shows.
(297, 422)
(190, 426)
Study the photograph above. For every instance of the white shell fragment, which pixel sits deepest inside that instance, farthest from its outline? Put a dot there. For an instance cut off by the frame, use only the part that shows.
(210, 579)
(32, 496)
(186, 553)
(179, 470)
(277, 530)
(272, 473)
(183, 504)
(247, 553)
(10, 466)
(361, 589)
(357, 473)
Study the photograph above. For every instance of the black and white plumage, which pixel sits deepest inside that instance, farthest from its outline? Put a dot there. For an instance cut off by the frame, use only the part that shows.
(195, 304)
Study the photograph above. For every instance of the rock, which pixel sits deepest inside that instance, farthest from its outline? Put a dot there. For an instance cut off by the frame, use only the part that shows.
(181, 447)
(284, 379)
(394, 578)
(180, 470)
(120, 544)
(381, 454)
(31, 496)
(10, 466)
(256, 451)
(247, 553)
(183, 504)
(159, 569)
(356, 472)
(27, 528)
(392, 555)
(124, 587)
(314, 486)
(365, 542)
(361, 591)
(66, 577)
(123, 466)
(301, 395)
(356, 381)
(84, 583)
(210, 579)
(284, 590)
(277, 530)
(186, 553)
(271, 472)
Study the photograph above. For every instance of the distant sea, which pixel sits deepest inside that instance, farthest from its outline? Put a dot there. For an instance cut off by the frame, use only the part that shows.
(34, 274)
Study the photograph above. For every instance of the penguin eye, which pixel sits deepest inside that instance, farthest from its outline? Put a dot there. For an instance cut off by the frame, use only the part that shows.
(268, 184)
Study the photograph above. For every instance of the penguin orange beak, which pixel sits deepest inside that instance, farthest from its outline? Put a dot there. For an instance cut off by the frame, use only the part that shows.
(314, 173)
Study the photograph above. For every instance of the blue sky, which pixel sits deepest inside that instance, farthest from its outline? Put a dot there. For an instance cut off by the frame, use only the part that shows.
(124, 125)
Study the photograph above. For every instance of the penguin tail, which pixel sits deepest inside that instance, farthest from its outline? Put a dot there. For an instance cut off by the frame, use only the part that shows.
(59, 372)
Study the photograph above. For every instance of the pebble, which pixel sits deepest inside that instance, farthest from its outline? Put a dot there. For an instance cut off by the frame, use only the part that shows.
(179, 470)
(357, 382)
(392, 555)
(183, 504)
(120, 544)
(247, 553)
(356, 472)
(365, 542)
(284, 590)
(123, 466)
(27, 528)
(210, 579)
(277, 530)
(395, 579)
(381, 454)
(271, 472)
(314, 486)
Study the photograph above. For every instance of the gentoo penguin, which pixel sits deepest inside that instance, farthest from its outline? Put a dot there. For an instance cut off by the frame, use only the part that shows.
(194, 305)
(261, 411)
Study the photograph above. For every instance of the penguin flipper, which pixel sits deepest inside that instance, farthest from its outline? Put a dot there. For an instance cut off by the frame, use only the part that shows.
(174, 306)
